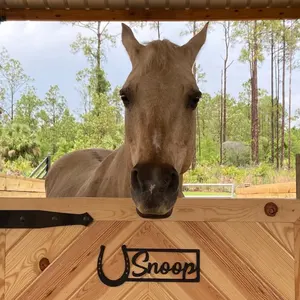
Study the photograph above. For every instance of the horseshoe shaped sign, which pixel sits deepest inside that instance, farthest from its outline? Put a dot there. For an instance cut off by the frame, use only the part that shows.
(140, 260)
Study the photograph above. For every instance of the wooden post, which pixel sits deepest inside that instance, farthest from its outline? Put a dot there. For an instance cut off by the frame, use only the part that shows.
(297, 234)
(298, 176)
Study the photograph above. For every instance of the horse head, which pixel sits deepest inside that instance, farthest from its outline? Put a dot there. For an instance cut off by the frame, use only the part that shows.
(160, 96)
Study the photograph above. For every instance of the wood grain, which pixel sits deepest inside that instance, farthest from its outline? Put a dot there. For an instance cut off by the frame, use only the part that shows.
(283, 233)
(21, 184)
(210, 270)
(239, 261)
(2, 264)
(135, 14)
(298, 176)
(16, 194)
(243, 274)
(79, 263)
(276, 188)
(297, 259)
(195, 209)
(269, 196)
(248, 240)
(22, 259)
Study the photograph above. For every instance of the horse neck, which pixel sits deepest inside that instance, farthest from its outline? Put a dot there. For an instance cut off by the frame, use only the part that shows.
(115, 174)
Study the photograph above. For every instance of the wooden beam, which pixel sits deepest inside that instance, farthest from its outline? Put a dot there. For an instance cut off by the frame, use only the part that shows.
(196, 209)
(298, 176)
(2, 263)
(297, 259)
(23, 14)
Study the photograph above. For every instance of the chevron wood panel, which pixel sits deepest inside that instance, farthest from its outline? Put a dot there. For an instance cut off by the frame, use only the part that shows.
(238, 260)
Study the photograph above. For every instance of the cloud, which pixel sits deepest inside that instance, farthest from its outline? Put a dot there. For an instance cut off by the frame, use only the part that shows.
(43, 48)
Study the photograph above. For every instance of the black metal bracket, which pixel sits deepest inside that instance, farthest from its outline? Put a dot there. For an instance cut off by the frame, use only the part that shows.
(41, 219)
(2, 19)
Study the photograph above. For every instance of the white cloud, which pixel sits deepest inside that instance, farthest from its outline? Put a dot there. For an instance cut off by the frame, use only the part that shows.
(43, 48)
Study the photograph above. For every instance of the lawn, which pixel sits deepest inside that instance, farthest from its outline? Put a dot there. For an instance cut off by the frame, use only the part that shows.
(203, 194)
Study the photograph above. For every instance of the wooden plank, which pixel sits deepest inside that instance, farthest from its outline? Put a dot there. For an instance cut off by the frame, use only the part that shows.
(79, 263)
(297, 259)
(15, 14)
(23, 184)
(239, 270)
(298, 176)
(187, 209)
(272, 195)
(146, 236)
(278, 188)
(13, 194)
(2, 264)
(22, 259)
(209, 267)
(248, 239)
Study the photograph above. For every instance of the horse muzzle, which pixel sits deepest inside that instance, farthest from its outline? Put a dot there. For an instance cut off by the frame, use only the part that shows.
(154, 189)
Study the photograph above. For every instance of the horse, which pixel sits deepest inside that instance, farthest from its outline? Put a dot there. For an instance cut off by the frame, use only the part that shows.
(160, 96)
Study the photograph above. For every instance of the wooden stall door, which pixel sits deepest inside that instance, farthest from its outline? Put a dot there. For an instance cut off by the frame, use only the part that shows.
(238, 261)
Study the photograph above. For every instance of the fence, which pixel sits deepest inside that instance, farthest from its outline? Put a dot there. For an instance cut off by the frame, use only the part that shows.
(278, 190)
(14, 186)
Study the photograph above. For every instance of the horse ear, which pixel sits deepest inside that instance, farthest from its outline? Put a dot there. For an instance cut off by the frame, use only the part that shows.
(193, 46)
(130, 43)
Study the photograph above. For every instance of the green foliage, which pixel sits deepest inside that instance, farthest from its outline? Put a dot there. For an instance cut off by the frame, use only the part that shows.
(18, 140)
(19, 167)
(236, 153)
(12, 80)
(45, 125)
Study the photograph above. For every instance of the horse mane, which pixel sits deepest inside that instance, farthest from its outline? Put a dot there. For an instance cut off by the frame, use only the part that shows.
(158, 55)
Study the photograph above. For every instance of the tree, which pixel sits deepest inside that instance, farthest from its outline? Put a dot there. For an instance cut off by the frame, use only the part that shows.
(156, 26)
(250, 34)
(28, 109)
(283, 93)
(228, 40)
(87, 83)
(271, 38)
(292, 37)
(54, 106)
(98, 127)
(12, 79)
(93, 47)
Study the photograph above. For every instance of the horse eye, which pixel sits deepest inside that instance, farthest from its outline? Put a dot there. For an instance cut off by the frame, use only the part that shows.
(193, 102)
(125, 100)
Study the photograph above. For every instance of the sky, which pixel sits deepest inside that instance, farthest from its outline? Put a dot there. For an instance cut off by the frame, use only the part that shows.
(43, 48)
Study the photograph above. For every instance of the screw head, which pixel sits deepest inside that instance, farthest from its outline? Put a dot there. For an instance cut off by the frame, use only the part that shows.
(271, 209)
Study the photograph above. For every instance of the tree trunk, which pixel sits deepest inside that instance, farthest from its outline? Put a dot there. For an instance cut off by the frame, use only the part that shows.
(221, 120)
(255, 125)
(98, 60)
(272, 96)
(12, 105)
(283, 98)
(277, 109)
(290, 100)
(225, 82)
(199, 133)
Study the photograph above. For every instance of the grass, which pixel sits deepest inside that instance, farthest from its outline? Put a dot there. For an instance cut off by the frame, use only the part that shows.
(203, 194)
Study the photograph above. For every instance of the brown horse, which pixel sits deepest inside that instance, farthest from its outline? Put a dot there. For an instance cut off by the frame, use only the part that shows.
(160, 96)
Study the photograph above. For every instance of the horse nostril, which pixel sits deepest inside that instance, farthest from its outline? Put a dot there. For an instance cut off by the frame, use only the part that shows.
(134, 179)
(174, 182)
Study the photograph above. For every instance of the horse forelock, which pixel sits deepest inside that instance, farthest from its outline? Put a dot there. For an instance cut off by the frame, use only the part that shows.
(158, 56)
